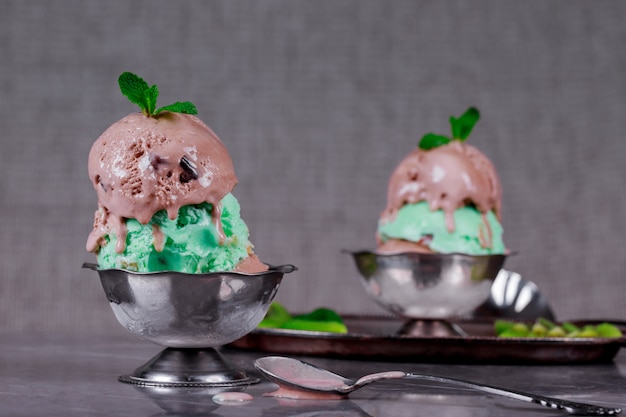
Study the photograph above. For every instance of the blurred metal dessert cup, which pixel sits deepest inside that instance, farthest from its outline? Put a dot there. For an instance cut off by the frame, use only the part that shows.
(190, 315)
(428, 289)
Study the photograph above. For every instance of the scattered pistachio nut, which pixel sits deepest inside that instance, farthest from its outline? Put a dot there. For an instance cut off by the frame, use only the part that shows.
(545, 328)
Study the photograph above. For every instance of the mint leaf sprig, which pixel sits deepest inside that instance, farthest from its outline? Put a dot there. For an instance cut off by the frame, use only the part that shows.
(461, 129)
(140, 93)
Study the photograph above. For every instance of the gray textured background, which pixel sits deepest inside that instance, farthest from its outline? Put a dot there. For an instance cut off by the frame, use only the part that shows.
(317, 102)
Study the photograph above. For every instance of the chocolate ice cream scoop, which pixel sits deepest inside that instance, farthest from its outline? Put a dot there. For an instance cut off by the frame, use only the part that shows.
(448, 177)
(141, 165)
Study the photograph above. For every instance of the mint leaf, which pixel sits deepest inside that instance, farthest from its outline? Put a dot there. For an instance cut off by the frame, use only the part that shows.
(462, 127)
(185, 107)
(431, 140)
(151, 98)
(134, 88)
(140, 93)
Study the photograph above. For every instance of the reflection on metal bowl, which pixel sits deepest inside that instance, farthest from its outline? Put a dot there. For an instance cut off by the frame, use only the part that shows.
(513, 297)
(187, 401)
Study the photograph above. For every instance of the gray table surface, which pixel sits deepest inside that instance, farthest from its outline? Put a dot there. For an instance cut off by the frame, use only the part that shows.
(71, 376)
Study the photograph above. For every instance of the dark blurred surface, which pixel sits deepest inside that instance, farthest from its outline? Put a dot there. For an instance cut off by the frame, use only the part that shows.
(77, 376)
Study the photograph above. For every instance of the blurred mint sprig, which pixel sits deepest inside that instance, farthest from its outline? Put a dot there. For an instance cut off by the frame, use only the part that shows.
(140, 93)
(461, 129)
(319, 320)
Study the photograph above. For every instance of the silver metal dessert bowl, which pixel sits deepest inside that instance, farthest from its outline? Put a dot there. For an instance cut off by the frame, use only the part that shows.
(424, 285)
(190, 314)
(174, 309)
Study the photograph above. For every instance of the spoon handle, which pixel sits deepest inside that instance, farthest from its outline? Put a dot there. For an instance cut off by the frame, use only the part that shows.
(554, 403)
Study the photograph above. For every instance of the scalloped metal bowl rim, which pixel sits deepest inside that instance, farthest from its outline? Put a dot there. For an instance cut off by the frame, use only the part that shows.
(285, 269)
(427, 255)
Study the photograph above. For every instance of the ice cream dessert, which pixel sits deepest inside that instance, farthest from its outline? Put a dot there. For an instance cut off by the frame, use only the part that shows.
(164, 182)
(444, 197)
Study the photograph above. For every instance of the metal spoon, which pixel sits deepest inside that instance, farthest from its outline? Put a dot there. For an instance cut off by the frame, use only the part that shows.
(300, 375)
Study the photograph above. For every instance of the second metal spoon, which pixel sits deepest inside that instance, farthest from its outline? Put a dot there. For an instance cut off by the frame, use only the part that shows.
(300, 375)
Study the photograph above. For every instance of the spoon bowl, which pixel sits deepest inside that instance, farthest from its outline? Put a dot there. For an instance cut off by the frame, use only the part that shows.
(295, 374)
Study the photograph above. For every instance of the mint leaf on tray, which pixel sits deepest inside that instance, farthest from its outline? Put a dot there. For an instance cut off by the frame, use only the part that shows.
(319, 320)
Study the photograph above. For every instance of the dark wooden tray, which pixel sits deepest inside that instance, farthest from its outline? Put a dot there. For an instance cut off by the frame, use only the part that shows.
(377, 338)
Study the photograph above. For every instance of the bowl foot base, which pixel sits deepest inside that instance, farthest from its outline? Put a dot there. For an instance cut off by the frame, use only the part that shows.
(430, 328)
(182, 367)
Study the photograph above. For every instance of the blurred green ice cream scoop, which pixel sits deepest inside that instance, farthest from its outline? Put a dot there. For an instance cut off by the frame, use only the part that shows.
(474, 233)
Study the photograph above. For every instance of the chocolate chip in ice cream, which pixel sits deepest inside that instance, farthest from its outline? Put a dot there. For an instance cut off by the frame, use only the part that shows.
(189, 170)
